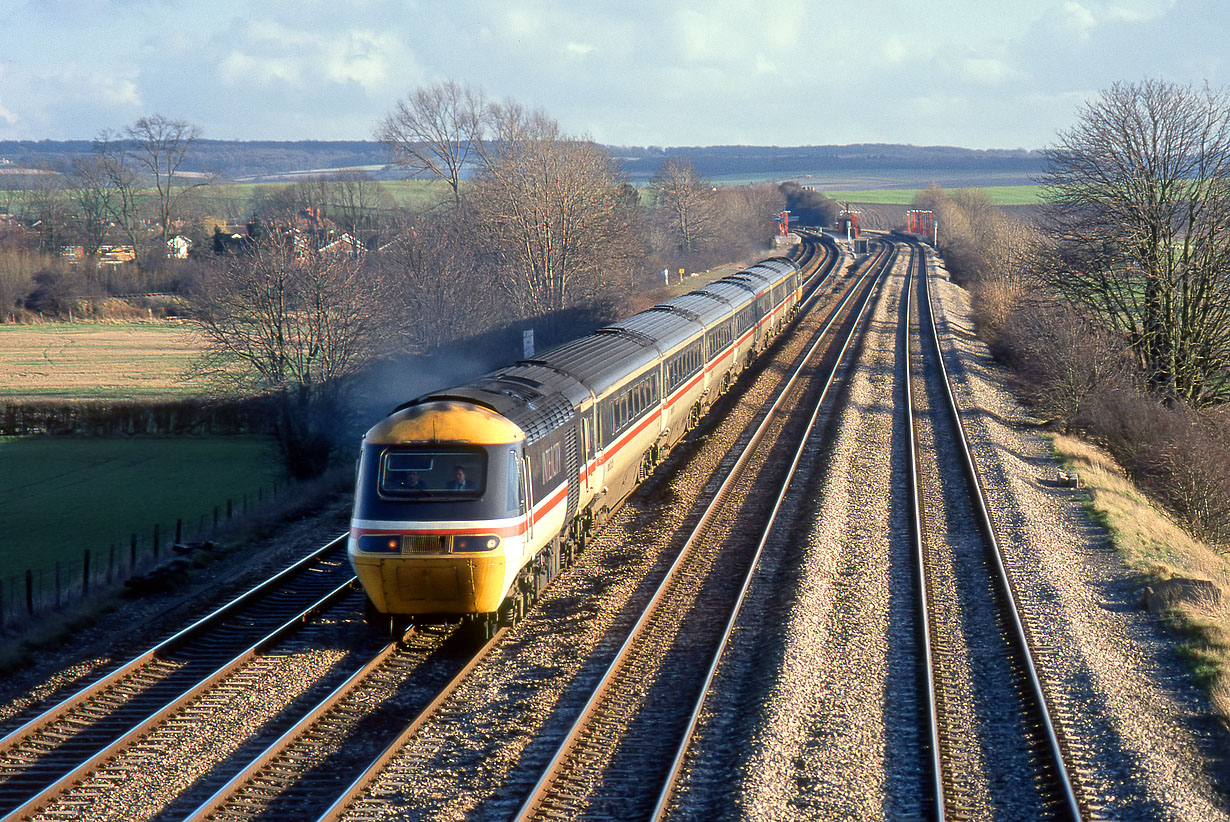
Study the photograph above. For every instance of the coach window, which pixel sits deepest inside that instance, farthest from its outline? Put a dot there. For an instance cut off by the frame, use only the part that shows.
(516, 494)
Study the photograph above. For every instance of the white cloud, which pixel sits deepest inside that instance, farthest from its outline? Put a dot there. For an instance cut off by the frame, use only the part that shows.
(579, 49)
(894, 50)
(986, 71)
(238, 68)
(114, 87)
(1076, 20)
(765, 66)
(363, 57)
(360, 57)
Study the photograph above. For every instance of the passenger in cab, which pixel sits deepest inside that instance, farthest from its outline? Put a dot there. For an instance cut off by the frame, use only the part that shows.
(459, 481)
(414, 483)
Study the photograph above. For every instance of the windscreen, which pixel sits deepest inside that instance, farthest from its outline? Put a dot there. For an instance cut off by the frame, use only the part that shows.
(432, 473)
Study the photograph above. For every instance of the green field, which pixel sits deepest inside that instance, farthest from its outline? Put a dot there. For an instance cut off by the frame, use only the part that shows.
(62, 495)
(999, 195)
(235, 199)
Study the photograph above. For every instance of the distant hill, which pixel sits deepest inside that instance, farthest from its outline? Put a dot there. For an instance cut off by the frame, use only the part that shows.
(866, 165)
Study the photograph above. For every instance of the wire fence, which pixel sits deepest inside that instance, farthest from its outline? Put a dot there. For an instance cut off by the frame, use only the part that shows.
(150, 560)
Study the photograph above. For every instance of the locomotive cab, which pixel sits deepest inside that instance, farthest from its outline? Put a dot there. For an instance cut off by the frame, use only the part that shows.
(439, 516)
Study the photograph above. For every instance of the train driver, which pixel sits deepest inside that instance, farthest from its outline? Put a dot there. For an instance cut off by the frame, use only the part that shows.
(459, 481)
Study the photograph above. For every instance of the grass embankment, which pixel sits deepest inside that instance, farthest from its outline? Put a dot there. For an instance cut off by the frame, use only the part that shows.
(97, 361)
(1153, 545)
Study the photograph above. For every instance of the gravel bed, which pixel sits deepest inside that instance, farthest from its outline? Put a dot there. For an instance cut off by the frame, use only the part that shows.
(490, 733)
(1148, 743)
(228, 725)
(820, 691)
(988, 744)
(820, 679)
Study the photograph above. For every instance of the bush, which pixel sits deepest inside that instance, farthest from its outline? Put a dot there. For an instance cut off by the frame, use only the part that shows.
(1063, 362)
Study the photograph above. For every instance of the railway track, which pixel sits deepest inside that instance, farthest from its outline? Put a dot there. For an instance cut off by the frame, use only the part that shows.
(620, 757)
(50, 752)
(382, 782)
(52, 762)
(994, 748)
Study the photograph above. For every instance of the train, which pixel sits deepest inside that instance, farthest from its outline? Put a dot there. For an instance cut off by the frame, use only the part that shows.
(469, 500)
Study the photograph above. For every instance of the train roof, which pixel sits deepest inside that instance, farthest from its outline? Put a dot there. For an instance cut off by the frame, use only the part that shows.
(779, 266)
(602, 359)
(738, 294)
(709, 308)
(444, 421)
(669, 326)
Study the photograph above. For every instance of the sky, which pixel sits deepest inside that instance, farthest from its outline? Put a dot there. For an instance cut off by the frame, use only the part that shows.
(972, 73)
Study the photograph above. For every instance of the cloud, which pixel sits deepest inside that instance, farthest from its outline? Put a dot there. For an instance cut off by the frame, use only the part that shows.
(273, 55)
(238, 68)
(361, 57)
(578, 49)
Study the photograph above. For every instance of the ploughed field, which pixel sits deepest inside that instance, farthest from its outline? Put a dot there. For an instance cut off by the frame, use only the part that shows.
(97, 361)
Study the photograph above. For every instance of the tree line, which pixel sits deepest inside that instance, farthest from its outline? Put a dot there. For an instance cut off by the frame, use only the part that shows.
(1114, 308)
(329, 276)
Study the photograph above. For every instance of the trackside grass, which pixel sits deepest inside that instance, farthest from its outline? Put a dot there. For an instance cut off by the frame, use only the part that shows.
(1153, 545)
(63, 495)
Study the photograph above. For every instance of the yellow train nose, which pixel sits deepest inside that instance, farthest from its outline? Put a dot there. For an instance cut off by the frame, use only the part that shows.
(408, 585)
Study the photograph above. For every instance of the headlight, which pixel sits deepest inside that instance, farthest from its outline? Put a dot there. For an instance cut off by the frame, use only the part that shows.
(485, 542)
(380, 543)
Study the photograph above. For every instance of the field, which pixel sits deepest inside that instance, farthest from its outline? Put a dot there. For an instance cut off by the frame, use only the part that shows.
(96, 361)
(999, 195)
(63, 495)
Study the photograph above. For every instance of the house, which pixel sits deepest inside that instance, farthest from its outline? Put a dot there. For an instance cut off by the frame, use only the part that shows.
(178, 247)
(115, 255)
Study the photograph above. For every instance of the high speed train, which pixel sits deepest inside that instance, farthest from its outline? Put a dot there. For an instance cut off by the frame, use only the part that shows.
(469, 500)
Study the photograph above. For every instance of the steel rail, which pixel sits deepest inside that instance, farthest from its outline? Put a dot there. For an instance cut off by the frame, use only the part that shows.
(676, 767)
(360, 785)
(534, 800)
(1020, 636)
(916, 518)
(235, 784)
(68, 780)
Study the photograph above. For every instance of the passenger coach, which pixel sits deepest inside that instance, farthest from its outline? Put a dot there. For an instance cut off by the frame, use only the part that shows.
(469, 500)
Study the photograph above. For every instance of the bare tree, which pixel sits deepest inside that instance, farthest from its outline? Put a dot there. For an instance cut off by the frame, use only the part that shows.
(1141, 192)
(685, 203)
(150, 153)
(436, 130)
(554, 212)
(439, 283)
(123, 185)
(159, 148)
(295, 328)
(357, 202)
(91, 193)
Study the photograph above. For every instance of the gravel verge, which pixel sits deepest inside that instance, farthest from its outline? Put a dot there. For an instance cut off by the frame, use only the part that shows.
(1147, 740)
